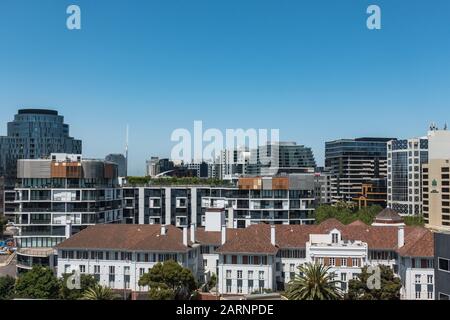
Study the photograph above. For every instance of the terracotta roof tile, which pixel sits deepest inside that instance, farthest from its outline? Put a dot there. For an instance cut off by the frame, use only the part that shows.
(127, 237)
(254, 239)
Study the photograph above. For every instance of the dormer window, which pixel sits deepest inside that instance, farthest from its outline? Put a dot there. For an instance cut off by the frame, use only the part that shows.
(335, 237)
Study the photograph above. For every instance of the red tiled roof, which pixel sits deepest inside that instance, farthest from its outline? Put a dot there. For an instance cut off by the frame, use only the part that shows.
(254, 239)
(419, 243)
(210, 237)
(127, 237)
(358, 223)
(418, 240)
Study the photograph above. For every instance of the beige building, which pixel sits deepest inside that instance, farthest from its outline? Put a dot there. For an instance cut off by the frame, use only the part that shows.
(436, 194)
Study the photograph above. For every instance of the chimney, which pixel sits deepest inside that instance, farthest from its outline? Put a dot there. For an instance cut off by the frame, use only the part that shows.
(401, 236)
(185, 236)
(163, 230)
(224, 234)
(68, 228)
(230, 217)
(193, 232)
(272, 234)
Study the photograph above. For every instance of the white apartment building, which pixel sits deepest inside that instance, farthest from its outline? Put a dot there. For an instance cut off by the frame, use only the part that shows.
(259, 258)
(118, 255)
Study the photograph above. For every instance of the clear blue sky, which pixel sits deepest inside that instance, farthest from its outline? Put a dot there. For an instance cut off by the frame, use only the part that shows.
(310, 68)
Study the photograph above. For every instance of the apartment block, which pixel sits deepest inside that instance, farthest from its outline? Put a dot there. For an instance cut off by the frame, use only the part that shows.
(63, 190)
(283, 200)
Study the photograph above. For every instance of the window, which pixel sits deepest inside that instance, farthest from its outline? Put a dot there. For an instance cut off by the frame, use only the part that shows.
(228, 274)
(355, 276)
(332, 262)
(141, 272)
(444, 264)
(443, 296)
(343, 262)
(261, 275)
(126, 277)
(430, 279)
(250, 274)
(82, 268)
(228, 286)
(417, 294)
(335, 237)
(97, 273)
(250, 286)
(355, 262)
(343, 277)
(112, 279)
(112, 270)
(239, 286)
(205, 263)
(239, 274)
(67, 268)
(418, 278)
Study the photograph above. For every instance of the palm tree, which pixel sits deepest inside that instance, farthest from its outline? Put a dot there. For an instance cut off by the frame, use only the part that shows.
(99, 292)
(313, 283)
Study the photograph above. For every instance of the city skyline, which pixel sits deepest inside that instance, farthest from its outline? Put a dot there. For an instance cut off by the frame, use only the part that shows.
(297, 67)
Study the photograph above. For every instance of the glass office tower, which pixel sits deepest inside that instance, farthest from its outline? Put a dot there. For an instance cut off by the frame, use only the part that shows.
(354, 162)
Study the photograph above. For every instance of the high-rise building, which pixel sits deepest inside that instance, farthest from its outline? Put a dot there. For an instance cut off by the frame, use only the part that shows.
(121, 162)
(436, 181)
(277, 158)
(59, 196)
(354, 162)
(233, 163)
(322, 187)
(34, 133)
(405, 160)
(157, 166)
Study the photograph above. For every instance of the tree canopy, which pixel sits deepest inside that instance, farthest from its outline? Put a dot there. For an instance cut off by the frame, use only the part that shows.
(389, 286)
(7, 287)
(348, 213)
(38, 283)
(86, 282)
(169, 281)
(313, 282)
(98, 292)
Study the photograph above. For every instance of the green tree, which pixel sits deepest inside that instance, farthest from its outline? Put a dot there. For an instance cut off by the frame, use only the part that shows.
(313, 282)
(169, 281)
(414, 221)
(3, 223)
(98, 292)
(7, 287)
(86, 282)
(390, 286)
(38, 283)
(346, 213)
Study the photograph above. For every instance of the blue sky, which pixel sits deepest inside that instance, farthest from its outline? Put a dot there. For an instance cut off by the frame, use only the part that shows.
(310, 68)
